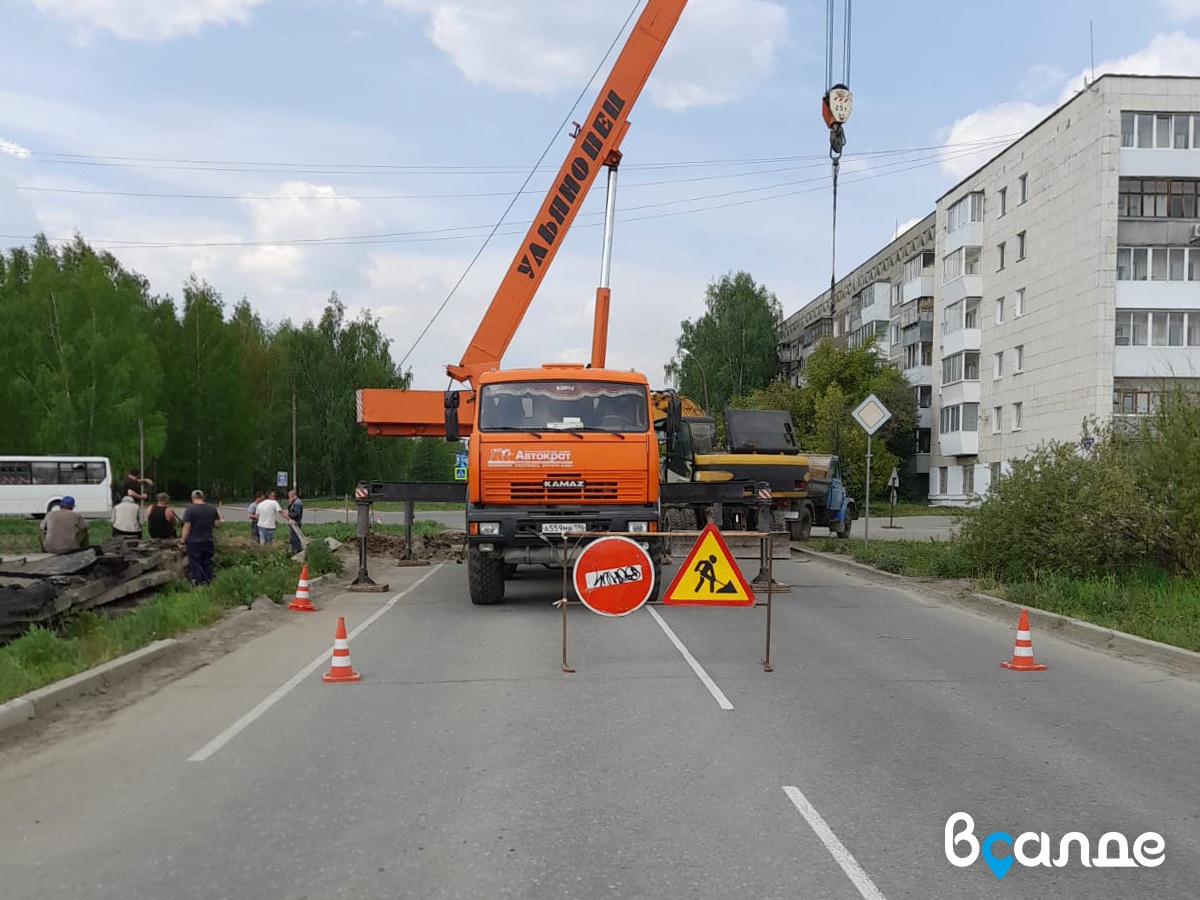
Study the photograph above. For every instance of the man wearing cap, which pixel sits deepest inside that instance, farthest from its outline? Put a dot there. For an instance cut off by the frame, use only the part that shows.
(63, 529)
(199, 520)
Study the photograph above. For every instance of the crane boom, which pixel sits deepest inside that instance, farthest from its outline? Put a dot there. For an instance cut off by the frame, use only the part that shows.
(597, 144)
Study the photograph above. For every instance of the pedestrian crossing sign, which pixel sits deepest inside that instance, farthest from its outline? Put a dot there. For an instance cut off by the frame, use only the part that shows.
(709, 576)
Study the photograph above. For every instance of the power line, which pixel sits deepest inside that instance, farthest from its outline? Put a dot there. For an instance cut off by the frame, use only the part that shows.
(445, 234)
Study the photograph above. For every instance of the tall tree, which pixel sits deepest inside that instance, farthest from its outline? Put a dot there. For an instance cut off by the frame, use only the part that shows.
(731, 349)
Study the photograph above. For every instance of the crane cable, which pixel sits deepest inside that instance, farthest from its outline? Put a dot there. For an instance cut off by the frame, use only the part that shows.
(836, 106)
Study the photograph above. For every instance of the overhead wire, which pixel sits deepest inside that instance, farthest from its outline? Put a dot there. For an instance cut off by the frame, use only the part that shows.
(444, 234)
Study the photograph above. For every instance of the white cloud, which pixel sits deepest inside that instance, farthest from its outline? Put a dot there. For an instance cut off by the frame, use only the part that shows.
(146, 20)
(1182, 9)
(974, 139)
(11, 148)
(1041, 79)
(719, 49)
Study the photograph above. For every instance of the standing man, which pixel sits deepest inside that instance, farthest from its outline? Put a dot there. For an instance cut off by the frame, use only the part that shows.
(198, 539)
(252, 515)
(162, 519)
(269, 513)
(295, 512)
(131, 485)
(63, 529)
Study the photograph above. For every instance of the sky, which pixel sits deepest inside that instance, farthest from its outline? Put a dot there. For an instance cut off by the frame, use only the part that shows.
(284, 149)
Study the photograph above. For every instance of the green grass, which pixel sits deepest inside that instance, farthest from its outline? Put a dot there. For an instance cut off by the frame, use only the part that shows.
(21, 535)
(347, 532)
(1148, 603)
(904, 508)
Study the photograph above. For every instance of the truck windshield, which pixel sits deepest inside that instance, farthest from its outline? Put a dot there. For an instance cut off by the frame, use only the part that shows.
(564, 406)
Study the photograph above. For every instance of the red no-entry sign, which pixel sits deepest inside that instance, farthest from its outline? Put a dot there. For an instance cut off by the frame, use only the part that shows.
(614, 576)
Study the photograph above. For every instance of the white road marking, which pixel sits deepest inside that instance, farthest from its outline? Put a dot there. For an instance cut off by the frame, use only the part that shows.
(722, 700)
(282, 691)
(862, 881)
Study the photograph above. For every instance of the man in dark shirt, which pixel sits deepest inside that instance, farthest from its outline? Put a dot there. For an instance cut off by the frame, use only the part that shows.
(199, 520)
(131, 485)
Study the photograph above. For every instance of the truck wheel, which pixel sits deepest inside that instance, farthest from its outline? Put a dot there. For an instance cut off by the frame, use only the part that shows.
(657, 592)
(801, 528)
(485, 575)
(847, 522)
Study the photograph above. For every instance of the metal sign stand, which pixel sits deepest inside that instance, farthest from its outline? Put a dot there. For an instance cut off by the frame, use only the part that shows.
(872, 415)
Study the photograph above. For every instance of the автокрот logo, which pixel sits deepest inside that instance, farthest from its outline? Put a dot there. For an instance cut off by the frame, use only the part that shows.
(1112, 850)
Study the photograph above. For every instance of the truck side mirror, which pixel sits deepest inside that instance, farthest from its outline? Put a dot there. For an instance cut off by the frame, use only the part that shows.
(451, 402)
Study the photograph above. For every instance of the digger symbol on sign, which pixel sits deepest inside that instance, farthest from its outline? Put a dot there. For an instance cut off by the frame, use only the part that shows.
(706, 568)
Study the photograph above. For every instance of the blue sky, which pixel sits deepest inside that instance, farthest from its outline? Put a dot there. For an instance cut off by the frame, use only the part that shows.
(407, 126)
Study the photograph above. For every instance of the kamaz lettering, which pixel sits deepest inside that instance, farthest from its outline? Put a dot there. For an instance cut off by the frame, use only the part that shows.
(589, 146)
(564, 485)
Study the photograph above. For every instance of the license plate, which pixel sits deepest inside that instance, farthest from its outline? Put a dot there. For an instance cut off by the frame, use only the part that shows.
(563, 527)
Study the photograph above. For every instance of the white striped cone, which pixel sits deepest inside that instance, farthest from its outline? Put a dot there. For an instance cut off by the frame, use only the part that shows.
(339, 667)
(301, 602)
(1022, 658)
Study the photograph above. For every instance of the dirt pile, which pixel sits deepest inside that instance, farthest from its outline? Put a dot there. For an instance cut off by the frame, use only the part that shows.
(444, 546)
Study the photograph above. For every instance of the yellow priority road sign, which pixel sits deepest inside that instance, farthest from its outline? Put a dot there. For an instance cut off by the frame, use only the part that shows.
(709, 576)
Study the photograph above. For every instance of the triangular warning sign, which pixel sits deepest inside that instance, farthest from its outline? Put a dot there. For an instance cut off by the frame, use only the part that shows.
(709, 576)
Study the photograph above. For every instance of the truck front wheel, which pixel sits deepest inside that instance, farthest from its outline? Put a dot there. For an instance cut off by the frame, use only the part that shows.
(485, 575)
(847, 521)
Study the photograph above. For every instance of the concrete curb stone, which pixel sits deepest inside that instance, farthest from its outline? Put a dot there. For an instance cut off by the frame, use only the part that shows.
(1097, 637)
(41, 701)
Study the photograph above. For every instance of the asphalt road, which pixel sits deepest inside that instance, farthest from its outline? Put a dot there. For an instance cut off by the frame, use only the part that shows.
(467, 765)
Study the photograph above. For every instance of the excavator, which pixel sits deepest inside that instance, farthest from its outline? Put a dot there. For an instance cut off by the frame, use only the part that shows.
(783, 488)
(562, 448)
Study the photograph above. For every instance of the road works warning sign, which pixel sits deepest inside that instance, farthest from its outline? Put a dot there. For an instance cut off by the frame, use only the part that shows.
(614, 576)
(709, 576)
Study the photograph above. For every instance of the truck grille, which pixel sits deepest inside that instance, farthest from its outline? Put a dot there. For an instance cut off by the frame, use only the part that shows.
(598, 487)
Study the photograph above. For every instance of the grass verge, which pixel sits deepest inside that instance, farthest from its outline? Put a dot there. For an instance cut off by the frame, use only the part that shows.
(381, 506)
(1148, 602)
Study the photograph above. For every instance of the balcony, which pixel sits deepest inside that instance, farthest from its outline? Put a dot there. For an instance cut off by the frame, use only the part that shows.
(917, 287)
(924, 417)
(959, 443)
(921, 463)
(919, 375)
(1143, 162)
(961, 288)
(960, 392)
(1157, 294)
(968, 235)
(1156, 362)
(922, 333)
(960, 340)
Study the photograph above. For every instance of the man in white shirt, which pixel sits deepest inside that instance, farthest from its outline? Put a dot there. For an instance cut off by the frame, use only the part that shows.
(269, 514)
(127, 518)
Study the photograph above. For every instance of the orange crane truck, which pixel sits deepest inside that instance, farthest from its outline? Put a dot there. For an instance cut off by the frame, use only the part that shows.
(560, 448)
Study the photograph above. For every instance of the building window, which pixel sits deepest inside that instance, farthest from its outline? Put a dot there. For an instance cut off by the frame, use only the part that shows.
(1176, 263)
(924, 440)
(1023, 188)
(1128, 121)
(971, 312)
(924, 396)
(919, 265)
(952, 318)
(965, 211)
(1175, 322)
(998, 365)
(1162, 131)
(969, 480)
(950, 419)
(896, 333)
(1124, 327)
(1003, 202)
(1021, 246)
(1018, 358)
(971, 365)
(995, 470)
(1019, 302)
(970, 417)
(943, 479)
(971, 261)
(1131, 403)
(1000, 250)
(952, 369)
(1158, 198)
(952, 266)
(1139, 331)
(1018, 408)
(1000, 311)
(997, 419)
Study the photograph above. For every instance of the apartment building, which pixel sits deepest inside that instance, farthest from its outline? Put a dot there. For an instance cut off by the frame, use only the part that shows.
(1065, 280)
(888, 299)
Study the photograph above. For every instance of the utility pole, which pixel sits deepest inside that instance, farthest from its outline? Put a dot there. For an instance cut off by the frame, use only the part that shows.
(141, 459)
(295, 480)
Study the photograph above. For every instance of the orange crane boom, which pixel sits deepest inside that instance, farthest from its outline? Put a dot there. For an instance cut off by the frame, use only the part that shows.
(596, 144)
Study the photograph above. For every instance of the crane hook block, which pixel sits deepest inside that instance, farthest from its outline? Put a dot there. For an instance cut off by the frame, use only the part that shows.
(836, 105)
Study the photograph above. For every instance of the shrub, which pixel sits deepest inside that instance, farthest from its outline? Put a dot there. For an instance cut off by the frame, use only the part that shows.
(321, 560)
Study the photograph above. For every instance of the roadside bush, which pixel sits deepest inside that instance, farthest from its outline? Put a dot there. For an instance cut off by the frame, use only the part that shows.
(321, 560)
(1167, 456)
(1060, 511)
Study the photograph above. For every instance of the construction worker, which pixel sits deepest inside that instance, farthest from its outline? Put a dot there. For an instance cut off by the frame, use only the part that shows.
(63, 529)
(198, 539)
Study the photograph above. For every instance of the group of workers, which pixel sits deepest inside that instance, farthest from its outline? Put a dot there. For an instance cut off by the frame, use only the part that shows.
(65, 530)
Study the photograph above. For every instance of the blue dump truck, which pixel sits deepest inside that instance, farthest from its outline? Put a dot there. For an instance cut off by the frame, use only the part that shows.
(825, 503)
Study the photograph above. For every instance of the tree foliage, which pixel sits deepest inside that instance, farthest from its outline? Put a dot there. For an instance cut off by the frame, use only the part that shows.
(732, 348)
(836, 381)
(90, 351)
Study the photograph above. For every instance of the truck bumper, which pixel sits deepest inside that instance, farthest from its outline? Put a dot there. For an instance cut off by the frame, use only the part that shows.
(522, 537)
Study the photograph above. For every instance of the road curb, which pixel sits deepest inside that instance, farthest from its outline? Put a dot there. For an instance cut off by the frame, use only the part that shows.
(41, 701)
(1077, 631)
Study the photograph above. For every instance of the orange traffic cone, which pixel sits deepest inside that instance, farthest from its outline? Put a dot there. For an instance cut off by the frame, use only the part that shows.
(339, 667)
(301, 602)
(1022, 660)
